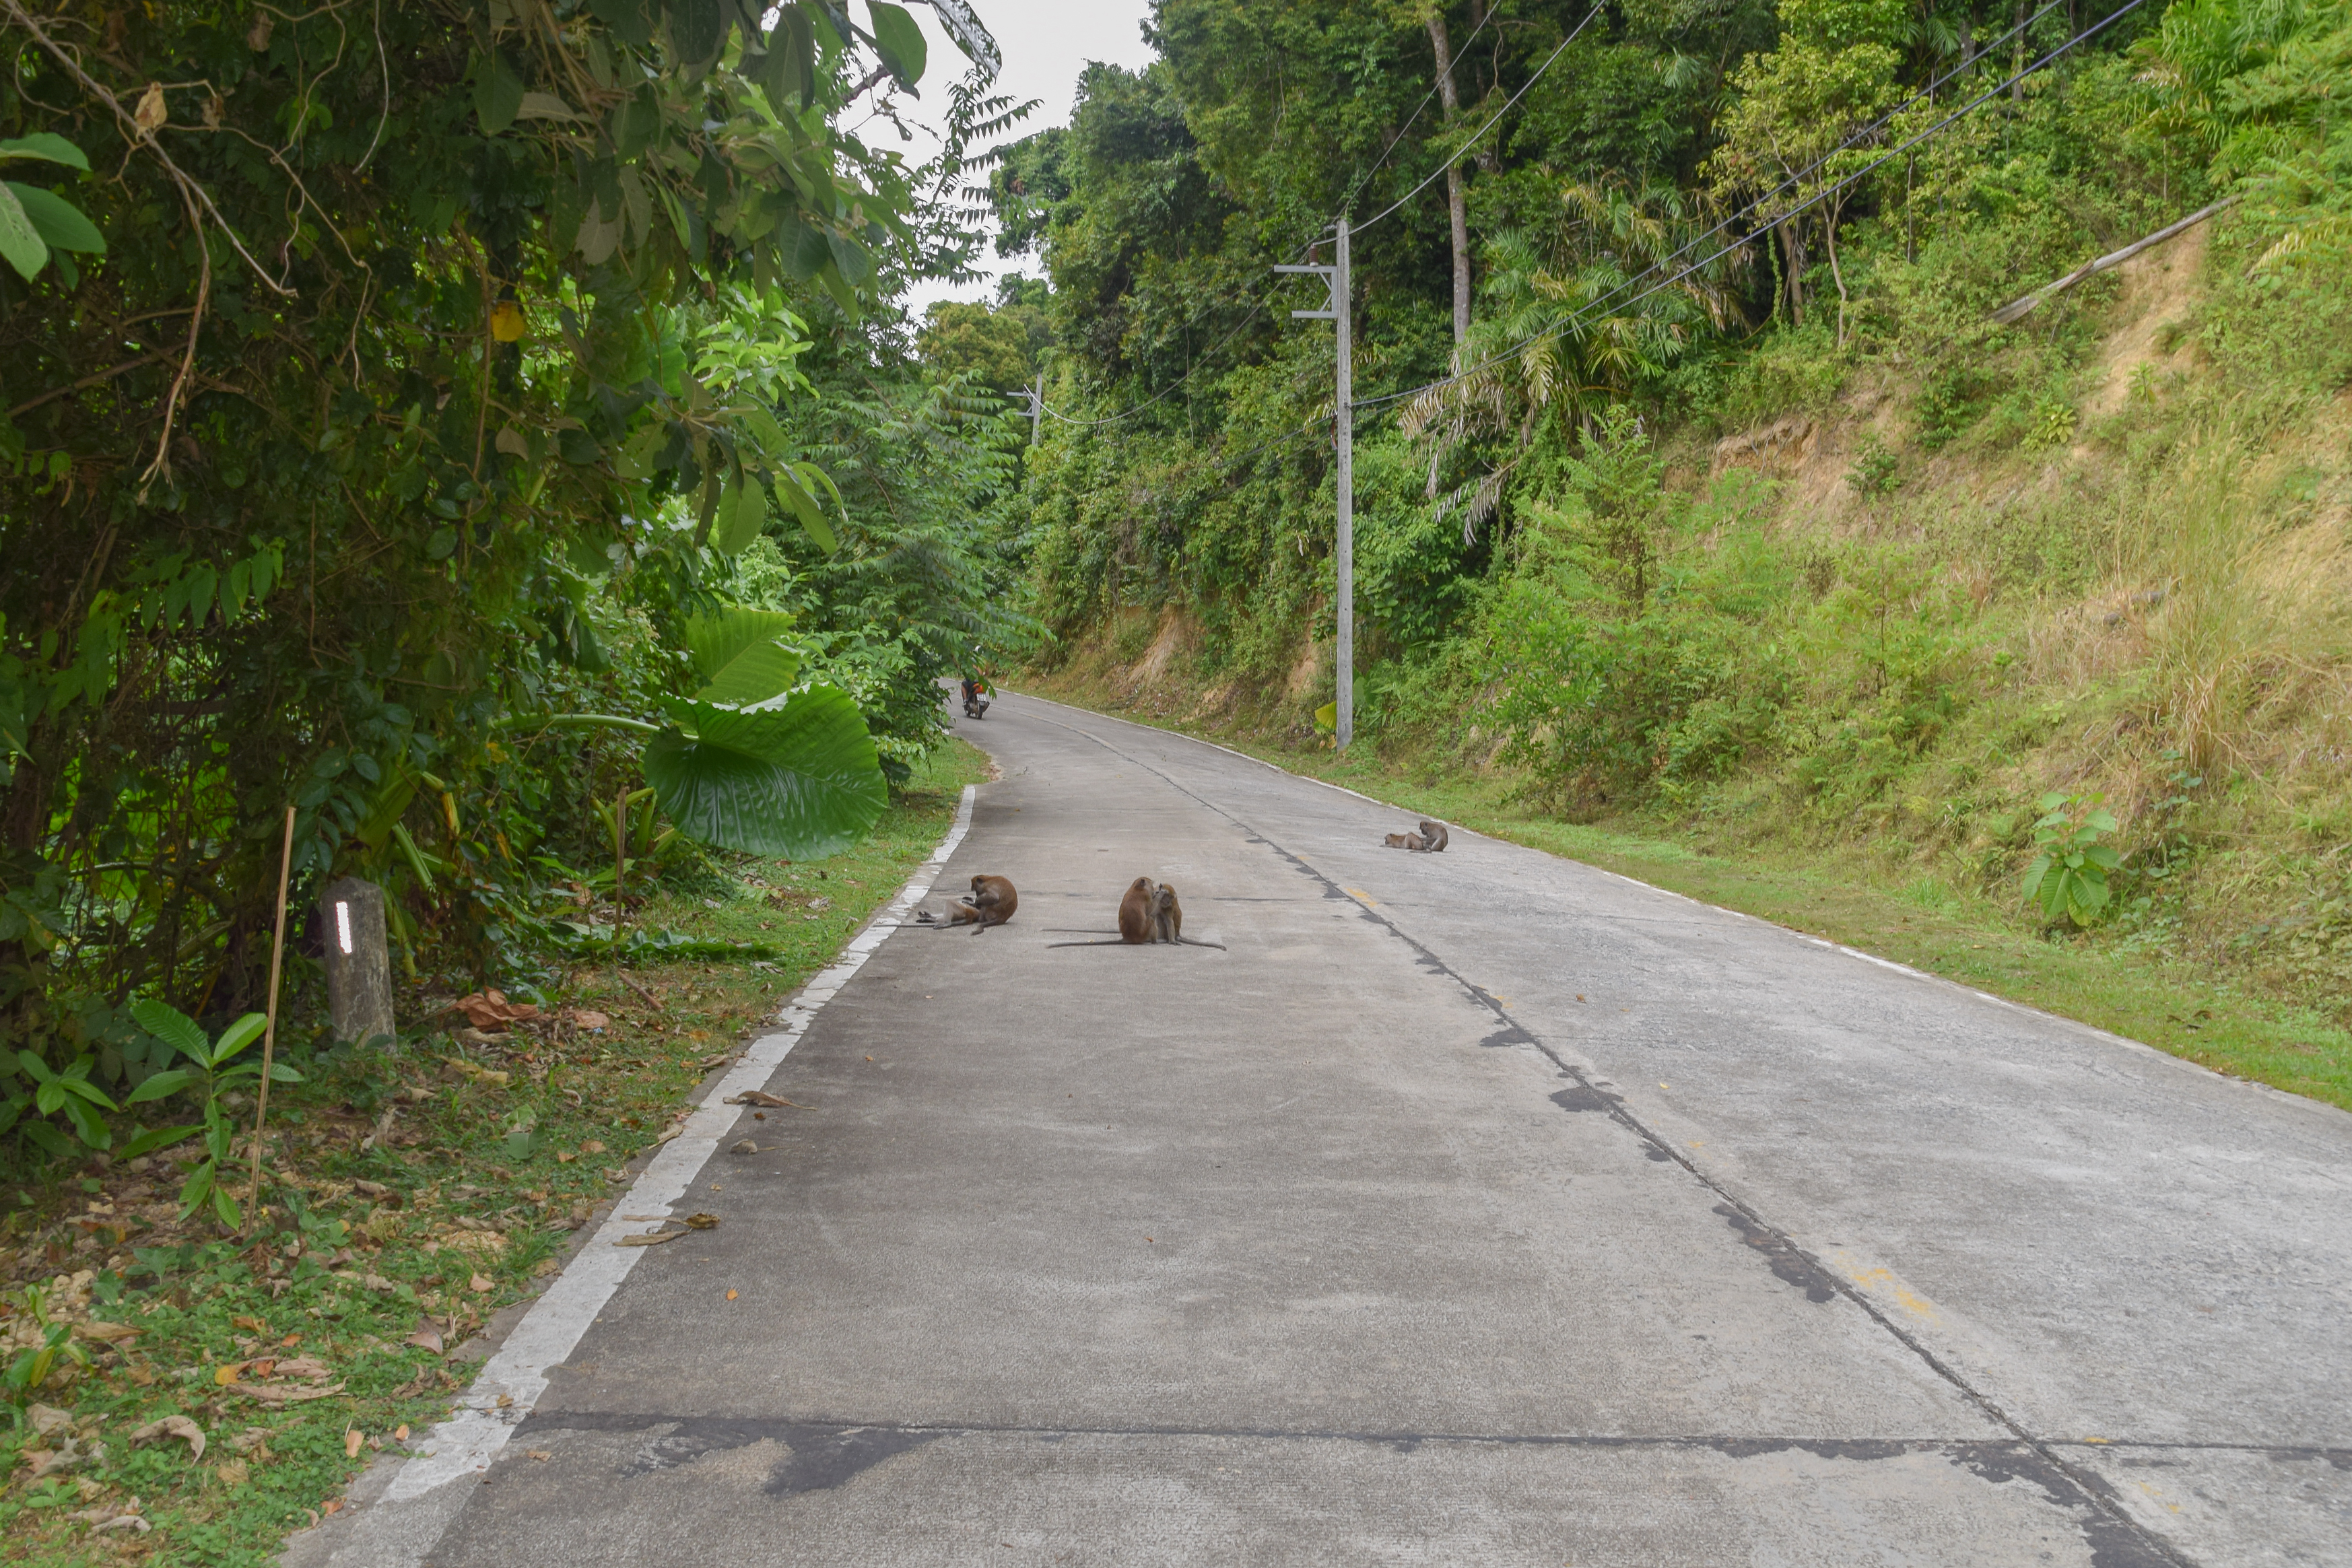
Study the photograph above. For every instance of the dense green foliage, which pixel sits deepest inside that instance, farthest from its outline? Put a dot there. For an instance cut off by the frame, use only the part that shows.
(444, 365)
(1715, 251)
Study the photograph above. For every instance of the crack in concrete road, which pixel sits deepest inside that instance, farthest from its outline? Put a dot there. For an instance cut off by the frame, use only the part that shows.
(1788, 1262)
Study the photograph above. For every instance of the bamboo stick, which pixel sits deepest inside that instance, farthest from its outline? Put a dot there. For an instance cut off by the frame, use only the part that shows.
(269, 1029)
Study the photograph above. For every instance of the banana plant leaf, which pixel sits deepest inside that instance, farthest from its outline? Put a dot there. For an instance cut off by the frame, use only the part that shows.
(736, 653)
(800, 780)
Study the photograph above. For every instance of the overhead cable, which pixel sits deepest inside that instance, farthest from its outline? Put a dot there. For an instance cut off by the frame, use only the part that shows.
(1566, 323)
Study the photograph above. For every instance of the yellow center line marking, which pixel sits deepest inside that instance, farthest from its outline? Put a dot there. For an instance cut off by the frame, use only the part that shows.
(1360, 896)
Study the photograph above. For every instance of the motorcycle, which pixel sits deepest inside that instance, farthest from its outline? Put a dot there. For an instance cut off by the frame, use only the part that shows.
(975, 701)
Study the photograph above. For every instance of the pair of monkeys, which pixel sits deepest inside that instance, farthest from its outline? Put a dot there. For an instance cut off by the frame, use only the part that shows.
(1148, 912)
(990, 901)
(1432, 838)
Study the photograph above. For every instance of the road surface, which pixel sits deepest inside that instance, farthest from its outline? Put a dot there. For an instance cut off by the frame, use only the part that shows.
(1477, 1208)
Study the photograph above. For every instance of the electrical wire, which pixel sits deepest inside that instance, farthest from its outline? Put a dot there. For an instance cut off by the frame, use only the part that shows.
(1464, 151)
(1308, 246)
(1568, 322)
(1867, 131)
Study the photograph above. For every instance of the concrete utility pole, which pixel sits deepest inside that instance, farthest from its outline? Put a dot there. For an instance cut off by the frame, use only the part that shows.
(1036, 391)
(1338, 314)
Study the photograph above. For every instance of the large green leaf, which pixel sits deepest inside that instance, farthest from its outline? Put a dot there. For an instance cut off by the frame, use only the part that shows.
(900, 42)
(800, 780)
(736, 653)
(45, 145)
(20, 243)
(174, 1028)
(57, 221)
(742, 515)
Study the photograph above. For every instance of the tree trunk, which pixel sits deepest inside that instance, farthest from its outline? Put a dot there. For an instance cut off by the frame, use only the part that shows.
(1457, 209)
(1793, 246)
(1829, 238)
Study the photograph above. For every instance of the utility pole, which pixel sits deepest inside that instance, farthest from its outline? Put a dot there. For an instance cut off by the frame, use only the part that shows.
(1036, 405)
(1344, 704)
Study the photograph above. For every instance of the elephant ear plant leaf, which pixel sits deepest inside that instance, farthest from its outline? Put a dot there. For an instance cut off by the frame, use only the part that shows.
(748, 763)
(216, 1072)
(2069, 877)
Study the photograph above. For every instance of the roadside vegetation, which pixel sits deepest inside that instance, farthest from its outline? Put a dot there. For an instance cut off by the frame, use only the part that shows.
(409, 1194)
(1805, 558)
(477, 451)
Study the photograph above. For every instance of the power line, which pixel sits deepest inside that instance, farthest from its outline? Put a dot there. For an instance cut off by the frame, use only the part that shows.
(1306, 246)
(1464, 151)
(1568, 322)
(1852, 138)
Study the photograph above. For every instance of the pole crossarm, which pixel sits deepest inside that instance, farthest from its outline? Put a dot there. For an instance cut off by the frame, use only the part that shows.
(1331, 275)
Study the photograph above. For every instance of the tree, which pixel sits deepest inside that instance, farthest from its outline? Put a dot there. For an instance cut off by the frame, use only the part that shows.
(411, 345)
(1785, 132)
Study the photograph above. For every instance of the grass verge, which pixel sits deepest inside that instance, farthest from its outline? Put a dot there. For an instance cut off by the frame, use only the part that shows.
(408, 1198)
(2141, 996)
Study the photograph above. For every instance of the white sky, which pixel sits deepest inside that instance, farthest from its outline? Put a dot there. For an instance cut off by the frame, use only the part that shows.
(1047, 43)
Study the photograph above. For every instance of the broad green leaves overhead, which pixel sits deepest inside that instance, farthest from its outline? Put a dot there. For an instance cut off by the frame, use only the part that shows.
(801, 780)
(33, 221)
(738, 655)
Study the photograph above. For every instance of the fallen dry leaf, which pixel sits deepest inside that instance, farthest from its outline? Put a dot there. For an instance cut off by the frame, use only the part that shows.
(333, 1505)
(291, 1339)
(304, 1366)
(225, 1375)
(256, 1324)
(231, 1474)
(731, 1295)
(761, 1097)
(173, 1426)
(592, 1147)
(653, 1240)
(46, 1418)
(701, 1221)
(352, 1441)
(400, 1433)
(492, 1010)
(277, 1396)
(744, 1147)
(566, 1156)
(106, 1333)
(482, 1282)
(586, 1018)
(427, 1338)
(539, 1453)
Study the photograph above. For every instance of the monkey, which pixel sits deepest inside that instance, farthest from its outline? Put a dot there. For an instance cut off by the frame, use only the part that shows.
(995, 898)
(1135, 910)
(1402, 842)
(1433, 836)
(1167, 915)
(1148, 913)
(961, 913)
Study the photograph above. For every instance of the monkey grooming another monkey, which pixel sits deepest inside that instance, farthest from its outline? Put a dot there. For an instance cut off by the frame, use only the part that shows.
(1135, 910)
(1148, 913)
(990, 901)
(1433, 836)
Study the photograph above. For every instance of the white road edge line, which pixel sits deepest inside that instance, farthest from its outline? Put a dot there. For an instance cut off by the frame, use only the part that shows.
(512, 1380)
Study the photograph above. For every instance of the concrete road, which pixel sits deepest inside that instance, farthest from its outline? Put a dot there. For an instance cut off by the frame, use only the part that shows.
(1478, 1207)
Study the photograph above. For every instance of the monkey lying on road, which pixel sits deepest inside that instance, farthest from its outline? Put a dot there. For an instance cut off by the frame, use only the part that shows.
(1432, 838)
(1148, 913)
(990, 901)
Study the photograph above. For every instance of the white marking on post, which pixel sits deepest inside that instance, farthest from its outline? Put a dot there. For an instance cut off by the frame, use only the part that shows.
(344, 924)
(467, 1443)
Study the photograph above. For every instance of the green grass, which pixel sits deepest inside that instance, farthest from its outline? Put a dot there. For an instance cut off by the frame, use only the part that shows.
(1923, 923)
(367, 1268)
